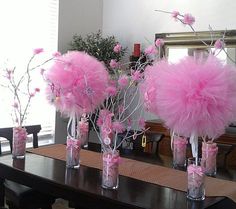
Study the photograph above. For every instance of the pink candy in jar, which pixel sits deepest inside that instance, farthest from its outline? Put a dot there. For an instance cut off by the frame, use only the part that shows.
(19, 142)
(179, 151)
(196, 187)
(110, 172)
(209, 153)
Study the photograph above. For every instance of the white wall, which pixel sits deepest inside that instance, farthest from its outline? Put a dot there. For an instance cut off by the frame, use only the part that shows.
(134, 20)
(75, 17)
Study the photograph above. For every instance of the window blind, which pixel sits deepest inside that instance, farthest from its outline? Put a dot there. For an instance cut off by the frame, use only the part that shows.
(26, 25)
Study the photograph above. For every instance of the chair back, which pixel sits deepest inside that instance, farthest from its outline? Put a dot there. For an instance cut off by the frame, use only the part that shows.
(8, 134)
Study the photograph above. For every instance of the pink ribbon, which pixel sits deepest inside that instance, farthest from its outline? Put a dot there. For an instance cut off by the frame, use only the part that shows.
(83, 127)
(210, 148)
(180, 142)
(72, 143)
(111, 159)
(194, 169)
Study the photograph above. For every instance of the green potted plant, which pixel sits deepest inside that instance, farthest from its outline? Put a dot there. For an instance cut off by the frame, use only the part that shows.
(98, 46)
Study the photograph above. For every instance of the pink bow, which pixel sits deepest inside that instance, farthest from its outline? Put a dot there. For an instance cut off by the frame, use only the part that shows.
(210, 150)
(194, 169)
(72, 143)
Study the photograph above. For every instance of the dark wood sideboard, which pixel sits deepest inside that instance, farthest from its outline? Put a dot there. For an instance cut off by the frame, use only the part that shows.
(226, 142)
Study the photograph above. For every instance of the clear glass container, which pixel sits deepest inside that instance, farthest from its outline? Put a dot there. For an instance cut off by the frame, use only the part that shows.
(196, 185)
(19, 142)
(73, 147)
(110, 171)
(209, 154)
(179, 151)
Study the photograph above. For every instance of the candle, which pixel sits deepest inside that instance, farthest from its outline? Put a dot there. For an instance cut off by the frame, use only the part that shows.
(136, 52)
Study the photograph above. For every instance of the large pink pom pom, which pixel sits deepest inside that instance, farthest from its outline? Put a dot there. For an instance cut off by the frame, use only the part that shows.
(197, 97)
(77, 83)
(149, 87)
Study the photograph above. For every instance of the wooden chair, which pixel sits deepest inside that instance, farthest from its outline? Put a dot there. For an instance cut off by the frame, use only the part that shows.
(19, 196)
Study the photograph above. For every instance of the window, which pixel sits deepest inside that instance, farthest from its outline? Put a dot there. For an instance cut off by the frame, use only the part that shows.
(26, 25)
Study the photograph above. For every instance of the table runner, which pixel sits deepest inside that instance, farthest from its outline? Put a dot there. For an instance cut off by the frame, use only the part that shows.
(147, 172)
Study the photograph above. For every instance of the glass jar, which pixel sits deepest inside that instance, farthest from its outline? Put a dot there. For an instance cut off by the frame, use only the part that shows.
(73, 147)
(196, 186)
(83, 132)
(110, 171)
(19, 142)
(209, 153)
(179, 151)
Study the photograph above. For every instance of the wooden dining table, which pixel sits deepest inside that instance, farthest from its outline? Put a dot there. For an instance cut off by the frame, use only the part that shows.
(82, 186)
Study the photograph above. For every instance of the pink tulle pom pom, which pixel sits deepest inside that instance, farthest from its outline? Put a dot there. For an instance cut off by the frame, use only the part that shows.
(196, 97)
(148, 88)
(77, 83)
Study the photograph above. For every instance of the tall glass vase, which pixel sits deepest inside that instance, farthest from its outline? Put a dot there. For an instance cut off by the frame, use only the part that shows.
(83, 132)
(196, 185)
(179, 151)
(19, 142)
(110, 171)
(73, 147)
(209, 153)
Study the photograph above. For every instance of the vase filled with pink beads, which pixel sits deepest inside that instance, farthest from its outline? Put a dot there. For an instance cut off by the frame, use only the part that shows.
(179, 151)
(110, 171)
(196, 186)
(19, 142)
(209, 154)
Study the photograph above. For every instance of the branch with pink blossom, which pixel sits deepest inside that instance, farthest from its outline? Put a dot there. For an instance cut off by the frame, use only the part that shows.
(21, 87)
(115, 116)
(187, 19)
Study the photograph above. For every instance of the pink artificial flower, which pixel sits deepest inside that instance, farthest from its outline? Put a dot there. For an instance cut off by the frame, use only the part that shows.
(188, 19)
(104, 116)
(32, 94)
(37, 89)
(9, 72)
(56, 54)
(219, 44)
(123, 81)
(141, 123)
(38, 51)
(151, 50)
(136, 75)
(118, 127)
(159, 42)
(175, 14)
(15, 105)
(42, 71)
(111, 91)
(117, 48)
(114, 64)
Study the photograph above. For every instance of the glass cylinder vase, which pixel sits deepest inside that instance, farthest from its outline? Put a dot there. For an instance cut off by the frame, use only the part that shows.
(83, 132)
(110, 171)
(19, 142)
(73, 147)
(196, 186)
(209, 153)
(179, 151)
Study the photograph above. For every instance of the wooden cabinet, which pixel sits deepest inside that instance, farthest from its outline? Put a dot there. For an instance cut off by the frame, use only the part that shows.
(226, 142)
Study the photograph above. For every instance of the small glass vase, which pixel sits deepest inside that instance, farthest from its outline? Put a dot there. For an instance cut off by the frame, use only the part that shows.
(110, 171)
(209, 153)
(19, 142)
(73, 147)
(179, 152)
(83, 130)
(196, 185)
